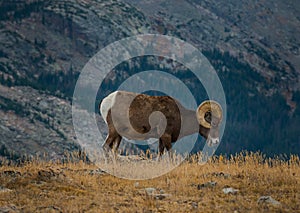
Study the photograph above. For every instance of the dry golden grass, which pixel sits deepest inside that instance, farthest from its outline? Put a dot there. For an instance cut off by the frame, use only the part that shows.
(71, 187)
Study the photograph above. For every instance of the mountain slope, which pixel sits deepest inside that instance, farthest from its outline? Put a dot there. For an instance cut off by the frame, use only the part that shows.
(44, 45)
(254, 46)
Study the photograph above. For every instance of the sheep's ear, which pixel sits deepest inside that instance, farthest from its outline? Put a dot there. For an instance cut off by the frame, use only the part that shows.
(208, 110)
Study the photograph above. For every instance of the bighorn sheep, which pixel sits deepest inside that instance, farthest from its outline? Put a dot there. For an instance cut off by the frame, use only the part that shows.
(140, 117)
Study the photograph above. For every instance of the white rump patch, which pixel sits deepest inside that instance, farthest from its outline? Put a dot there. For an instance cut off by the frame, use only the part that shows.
(107, 104)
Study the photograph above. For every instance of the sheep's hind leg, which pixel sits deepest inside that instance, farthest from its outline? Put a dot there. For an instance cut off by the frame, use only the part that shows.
(116, 143)
(111, 146)
(108, 144)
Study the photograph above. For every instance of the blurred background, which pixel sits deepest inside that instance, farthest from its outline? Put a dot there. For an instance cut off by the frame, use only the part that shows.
(253, 45)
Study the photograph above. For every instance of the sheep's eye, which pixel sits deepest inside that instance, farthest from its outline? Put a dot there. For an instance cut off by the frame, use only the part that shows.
(207, 116)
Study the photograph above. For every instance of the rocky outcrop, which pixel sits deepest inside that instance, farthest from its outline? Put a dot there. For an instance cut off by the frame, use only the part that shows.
(35, 124)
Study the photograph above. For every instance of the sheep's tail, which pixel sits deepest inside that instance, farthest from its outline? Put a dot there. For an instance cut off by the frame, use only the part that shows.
(99, 106)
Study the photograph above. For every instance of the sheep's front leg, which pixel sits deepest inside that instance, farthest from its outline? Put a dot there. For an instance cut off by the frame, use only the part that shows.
(165, 142)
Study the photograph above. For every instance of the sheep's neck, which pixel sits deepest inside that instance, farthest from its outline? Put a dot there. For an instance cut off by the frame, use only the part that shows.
(190, 124)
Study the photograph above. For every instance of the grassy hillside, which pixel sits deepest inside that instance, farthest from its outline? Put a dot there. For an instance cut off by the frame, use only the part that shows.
(81, 187)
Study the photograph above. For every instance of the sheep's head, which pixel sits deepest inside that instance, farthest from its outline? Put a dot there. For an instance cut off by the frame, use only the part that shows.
(209, 116)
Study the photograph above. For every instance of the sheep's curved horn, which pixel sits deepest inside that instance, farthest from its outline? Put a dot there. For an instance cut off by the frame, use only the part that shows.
(207, 111)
